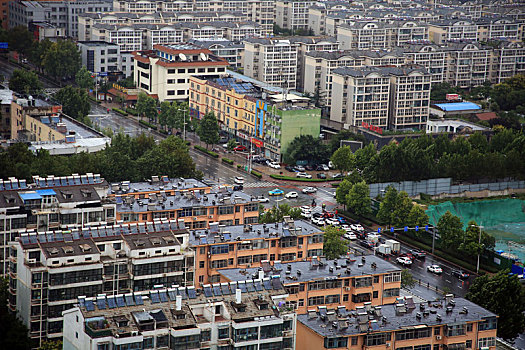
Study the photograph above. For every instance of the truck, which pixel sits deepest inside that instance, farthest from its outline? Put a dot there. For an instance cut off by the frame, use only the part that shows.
(394, 245)
(383, 249)
(373, 237)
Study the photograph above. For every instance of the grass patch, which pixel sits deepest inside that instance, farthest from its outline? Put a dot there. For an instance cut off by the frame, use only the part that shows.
(291, 178)
(227, 161)
(147, 125)
(204, 150)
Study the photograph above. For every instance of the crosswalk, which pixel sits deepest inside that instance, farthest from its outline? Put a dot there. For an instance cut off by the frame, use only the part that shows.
(259, 184)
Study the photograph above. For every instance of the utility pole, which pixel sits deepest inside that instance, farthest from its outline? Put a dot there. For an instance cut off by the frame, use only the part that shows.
(433, 238)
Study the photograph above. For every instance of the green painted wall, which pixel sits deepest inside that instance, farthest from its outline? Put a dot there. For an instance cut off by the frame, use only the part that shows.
(298, 122)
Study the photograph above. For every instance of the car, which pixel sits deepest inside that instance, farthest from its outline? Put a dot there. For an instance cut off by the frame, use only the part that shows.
(350, 235)
(407, 255)
(223, 140)
(306, 214)
(327, 214)
(318, 221)
(323, 167)
(309, 190)
(405, 261)
(460, 274)
(303, 175)
(310, 167)
(289, 168)
(330, 165)
(321, 176)
(418, 254)
(346, 228)
(305, 208)
(317, 215)
(262, 199)
(274, 165)
(357, 227)
(435, 269)
(337, 176)
(299, 168)
(240, 148)
(367, 244)
(341, 219)
(331, 221)
(276, 192)
(239, 180)
(292, 194)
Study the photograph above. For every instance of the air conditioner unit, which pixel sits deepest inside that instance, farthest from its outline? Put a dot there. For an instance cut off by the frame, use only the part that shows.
(438, 337)
(387, 345)
(347, 288)
(134, 333)
(31, 261)
(300, 246)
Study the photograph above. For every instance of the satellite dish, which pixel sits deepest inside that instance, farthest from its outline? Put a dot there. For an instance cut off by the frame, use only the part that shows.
(203, 56)
(182, 57)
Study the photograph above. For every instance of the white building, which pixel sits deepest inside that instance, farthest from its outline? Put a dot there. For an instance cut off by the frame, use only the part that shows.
(100, 56)
(292, 14)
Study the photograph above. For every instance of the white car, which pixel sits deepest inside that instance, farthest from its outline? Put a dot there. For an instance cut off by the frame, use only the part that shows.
(262, 199)
(306, 214)
(318, 221)
(305, 208)
(332, 221)
(347, 228)
(357, 227)
(350, 235)
(239, 180)
(324, 167)
(304, 175)
(292, 195)
(435, 269)
(274, 165)
(404, 261)
(309, 190)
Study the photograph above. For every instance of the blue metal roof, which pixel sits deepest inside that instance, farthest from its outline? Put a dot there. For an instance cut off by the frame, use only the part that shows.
(29, 196)
(46, 192)
(458, 106)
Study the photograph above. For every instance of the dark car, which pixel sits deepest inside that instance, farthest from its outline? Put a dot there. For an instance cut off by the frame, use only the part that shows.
(237, 188)
(321, 176)
(289, 168)
(310, 167)
(367, 244)
(418, 254)
(360, 234)
(460, 274)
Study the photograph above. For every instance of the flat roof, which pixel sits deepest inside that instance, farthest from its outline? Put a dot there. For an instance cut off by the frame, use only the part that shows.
(457, 106)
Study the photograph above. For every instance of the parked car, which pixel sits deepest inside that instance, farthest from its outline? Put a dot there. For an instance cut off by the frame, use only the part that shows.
(318, 221)
(303, 175)
(405, 261)
(331, 221)
(357, 227)
(309, 167)
(239, 180)
(262, 199)
(460, 274)
(274, 165)
(337, 176)
(305, 208)
(347, 229)
(240, 148)
(435, 269)
(276, 192)
(350, 235)
(299, 168)
(418, 254)
(289, 168)
(323, 167)
(321, 176)
(360, 234)
(367, 244)
(341, 219)
(309, 189)
(292, 194)
(306, 214)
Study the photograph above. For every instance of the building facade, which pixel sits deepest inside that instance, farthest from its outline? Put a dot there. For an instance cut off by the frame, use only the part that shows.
(100, 56)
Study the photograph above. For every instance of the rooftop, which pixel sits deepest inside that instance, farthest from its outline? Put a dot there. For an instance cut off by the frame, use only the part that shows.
(457, 106)
(157, 183)
(383, 71)
(305, 271)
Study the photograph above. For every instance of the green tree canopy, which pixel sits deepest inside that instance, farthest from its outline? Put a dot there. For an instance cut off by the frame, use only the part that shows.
(334, 244)
(407, 280)
(21, 40)
(62, 59)
(343, 159)
(474, 242)
(342, 191)
(306, 147)
(450, 230)
(75, 102)
(387, 205)
(502, 294)
(25, 82)
(399, 217)
(417, 217)
(208, 129)
(439, 91)
(277, 213)
(358, 199)
(146, 106)
(84, 79)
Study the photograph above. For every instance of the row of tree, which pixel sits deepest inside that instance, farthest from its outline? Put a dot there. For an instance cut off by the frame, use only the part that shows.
(127, 158)
(397, 210)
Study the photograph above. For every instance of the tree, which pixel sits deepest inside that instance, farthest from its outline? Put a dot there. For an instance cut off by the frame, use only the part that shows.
(208, 129)
(25, 82)
(51, 345)
(306, 147)
(231, 144)
(417, 217)
(440, 90)
(21, 40)
(84, 79)
(167, 114)
(502, 294)
(387, 205)
(342, 191)
(450, 230)
(17, 338)
(75, 102)
(277, 213)
(399, 217)
(473, 242)
(334, 244)
(39, 52)
(146, 106)
(62, 59)
(358, 199)
(343, 159)
(407, 280)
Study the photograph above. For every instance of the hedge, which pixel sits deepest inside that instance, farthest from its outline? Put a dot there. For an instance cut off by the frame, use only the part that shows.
(204, 150)
(256, 174)
(162, 131)
(227, 161)
(94, 99)
(290, 178)
(147, 125)
(119, 111)
(132, 111)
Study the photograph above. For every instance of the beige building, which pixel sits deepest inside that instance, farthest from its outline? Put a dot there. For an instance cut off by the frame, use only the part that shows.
(430, 56)
(164, 72)
(292, 14)
(508, 60)
(453, 30)
(468, 64)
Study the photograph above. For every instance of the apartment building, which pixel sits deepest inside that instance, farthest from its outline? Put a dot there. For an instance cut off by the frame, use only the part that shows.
(254, 112)
(469, 64)
(442, 324)
(49, 270)
(292, 14)
(447, 30)
(430, 56)
(229, 50)
(318, 13)
(508, 60)
(165, 70)
(242, 246)
(100, 56)
(273, 61)
(48, 204)
(385, 97)
(6, 98)
(363, 35)
(349, 283)
(244, 315)
(498, 29)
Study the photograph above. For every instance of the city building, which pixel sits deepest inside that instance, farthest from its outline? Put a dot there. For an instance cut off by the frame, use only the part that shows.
(223, 48)
(255, 113)
(385, 97)
(100, 56)
(431, 56)
(509, 59)
(292, 14)
(45, 30)
(6, 97)
(469, 64)
(350, 283)
(244, 315)
(165, 71)
(50, 203)
(457, 126)
(450, 30)
(273, 61)
(49, 270)
(241, 246)
(442, 324)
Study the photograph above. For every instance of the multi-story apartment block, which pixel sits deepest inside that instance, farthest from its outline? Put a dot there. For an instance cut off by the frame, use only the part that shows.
(385, 97)
(165, 71)
(292, 14)
(49, 270)
(370, 281)
(363, 35)
(244, 315)
(50, 203)
(469, 64)
(443, 324)
(446, 30)
(62, 14)
(318, 13)
(273, 61)
(245, 246)
(430, 56)
(100, 56)
(254, 112)
(6, 98)
(230, 51)
(498, 29)
(259, 11)
(508, 60)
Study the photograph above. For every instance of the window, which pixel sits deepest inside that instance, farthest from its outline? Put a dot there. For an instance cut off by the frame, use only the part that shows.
(437, 330)
(393, 277)
(339, 342)
(201, 264)
(355, 340)
(455, 330)
(219, 249)
(377, 339)
(318, 300)
(362, 282)
(468, 344)
(413, 334)
(246, 334)
(375, 294)
(393, 292)
(376, 279)
(225, 209)
(469, 327)
(224, 333)
(345, 297)
(486, 342)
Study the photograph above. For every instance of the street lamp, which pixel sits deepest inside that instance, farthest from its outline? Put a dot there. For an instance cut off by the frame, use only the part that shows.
(479, 242)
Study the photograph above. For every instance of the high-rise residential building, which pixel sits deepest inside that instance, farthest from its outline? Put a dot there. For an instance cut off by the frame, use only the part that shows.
(508, 60)
(224, 48)
(49, 270)
(100, 56)
(431, 56)
(292, 14)
(468, 64)
(449, 30)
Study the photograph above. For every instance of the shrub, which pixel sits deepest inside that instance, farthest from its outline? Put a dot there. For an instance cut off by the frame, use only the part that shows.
(227, 161)
(147, 125)
(119, 111)
(132, 111)
(204, 150)
(256, 174)
(240, 167)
